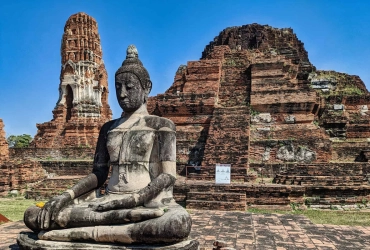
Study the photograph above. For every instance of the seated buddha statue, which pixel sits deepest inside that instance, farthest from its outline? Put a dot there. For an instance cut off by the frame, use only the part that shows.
(138, 206)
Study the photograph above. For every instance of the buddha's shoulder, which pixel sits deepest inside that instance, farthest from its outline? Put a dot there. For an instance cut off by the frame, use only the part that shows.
(108, 125)
(159, 123)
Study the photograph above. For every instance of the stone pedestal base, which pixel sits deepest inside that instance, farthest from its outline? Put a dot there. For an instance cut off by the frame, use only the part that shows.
(29, 241)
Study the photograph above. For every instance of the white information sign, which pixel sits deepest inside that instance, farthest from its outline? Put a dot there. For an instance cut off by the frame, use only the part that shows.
(223, 173)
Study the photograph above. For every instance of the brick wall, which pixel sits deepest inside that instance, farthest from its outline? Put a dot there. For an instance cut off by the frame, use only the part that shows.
(52, 153)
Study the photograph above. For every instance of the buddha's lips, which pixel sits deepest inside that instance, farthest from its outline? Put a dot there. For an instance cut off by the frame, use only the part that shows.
(124, 101)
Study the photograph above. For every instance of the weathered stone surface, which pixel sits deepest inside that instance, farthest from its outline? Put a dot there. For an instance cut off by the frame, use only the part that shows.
(253, 93)
(138, 151)
(82, 107)
(28, 241)
(287, 152)
(4, 152)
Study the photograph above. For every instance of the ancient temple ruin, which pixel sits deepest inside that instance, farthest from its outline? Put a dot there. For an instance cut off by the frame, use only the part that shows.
(82, 107)
(4, 151)
(16, 173)
(255, 97)
(255, 101)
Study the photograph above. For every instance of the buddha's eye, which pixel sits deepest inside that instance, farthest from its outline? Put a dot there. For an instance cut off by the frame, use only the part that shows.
(130, 85)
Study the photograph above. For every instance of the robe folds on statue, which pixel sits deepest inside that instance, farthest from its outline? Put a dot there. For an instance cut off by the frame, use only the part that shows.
(139, 148)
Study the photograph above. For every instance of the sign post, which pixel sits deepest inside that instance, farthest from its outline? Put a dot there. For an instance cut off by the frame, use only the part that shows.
(223, 173)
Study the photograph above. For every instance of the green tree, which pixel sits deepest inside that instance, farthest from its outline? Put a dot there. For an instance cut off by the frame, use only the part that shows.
(19, 141)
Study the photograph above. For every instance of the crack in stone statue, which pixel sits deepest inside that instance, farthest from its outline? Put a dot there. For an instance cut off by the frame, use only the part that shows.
(138, 206)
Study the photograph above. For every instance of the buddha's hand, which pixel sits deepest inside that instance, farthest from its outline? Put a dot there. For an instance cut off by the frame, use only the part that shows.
(124, 202)
(51, 209)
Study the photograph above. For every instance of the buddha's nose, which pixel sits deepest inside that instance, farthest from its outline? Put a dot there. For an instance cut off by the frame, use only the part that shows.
(123, 92)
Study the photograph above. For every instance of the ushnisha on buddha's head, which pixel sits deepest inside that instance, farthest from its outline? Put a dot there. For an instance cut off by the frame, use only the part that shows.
(132, 82)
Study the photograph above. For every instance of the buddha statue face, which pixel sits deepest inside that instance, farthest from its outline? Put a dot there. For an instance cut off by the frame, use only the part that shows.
(130, 94)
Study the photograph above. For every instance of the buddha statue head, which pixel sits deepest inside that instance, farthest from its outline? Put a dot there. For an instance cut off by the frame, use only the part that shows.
(132, 82)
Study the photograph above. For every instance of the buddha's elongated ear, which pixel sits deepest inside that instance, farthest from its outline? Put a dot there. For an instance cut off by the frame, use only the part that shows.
(148, 86)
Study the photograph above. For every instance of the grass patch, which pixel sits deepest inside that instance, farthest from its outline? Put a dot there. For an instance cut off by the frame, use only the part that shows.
(350, 218)
(13, 208)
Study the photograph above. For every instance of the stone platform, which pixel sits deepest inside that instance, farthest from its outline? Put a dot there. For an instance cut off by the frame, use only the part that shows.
(243, 230)
(29, 241)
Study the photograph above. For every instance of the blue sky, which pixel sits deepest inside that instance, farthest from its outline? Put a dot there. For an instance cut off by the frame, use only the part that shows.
(167, 34)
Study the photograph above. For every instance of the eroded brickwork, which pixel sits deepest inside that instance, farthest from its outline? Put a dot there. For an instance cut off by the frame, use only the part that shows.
(82, 107)
(4, 152)
(255, 101)
(16, 175)
(70, 153)
(255, 98)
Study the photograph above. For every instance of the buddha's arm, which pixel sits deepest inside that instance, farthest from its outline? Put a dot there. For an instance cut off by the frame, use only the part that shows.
(100, 167)
(90, 182)
(165, 180)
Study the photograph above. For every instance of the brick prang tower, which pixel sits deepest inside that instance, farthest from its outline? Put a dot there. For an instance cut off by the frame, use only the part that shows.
(4, 151)
(82, 107)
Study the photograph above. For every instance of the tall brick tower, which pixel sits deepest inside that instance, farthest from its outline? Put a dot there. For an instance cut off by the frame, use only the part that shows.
(4, 152)
(82, 107)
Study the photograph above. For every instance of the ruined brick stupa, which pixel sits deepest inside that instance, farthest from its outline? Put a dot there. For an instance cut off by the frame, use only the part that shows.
(254, 97)
(82, 107)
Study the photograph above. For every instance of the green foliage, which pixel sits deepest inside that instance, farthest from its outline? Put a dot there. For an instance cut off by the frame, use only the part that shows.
(253, 112)
(355, 118)
(333, 207)
(230, 62)
(352, 90)
(294, 206)
(19, 141)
